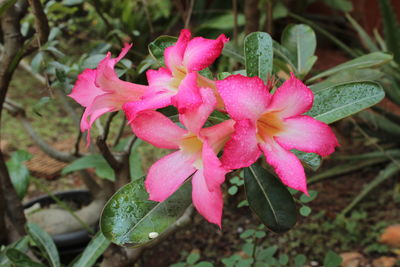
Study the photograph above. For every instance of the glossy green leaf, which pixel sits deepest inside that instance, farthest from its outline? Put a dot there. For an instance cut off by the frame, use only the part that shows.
(20, 259)
(45, 243)
(157, 47)
(21, 245)
(371, 60)
(301, 43)
(269, 199)
(96, 161)
(258, 53)
(337, 102)
(312, 160)
(93, 251)
(19, 173)
(347, 76)
(332, 259)
(129, 217)
(391, 28)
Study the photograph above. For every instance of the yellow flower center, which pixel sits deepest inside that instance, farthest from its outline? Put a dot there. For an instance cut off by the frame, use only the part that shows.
(193, 146)
(178, 75)
(269, 125)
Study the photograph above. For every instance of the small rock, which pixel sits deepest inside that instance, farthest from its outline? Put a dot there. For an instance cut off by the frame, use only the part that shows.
(352, 259)
(384, 262)
(391, 236)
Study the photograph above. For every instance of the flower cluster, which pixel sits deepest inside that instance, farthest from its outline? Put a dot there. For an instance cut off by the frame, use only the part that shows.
(261, 122)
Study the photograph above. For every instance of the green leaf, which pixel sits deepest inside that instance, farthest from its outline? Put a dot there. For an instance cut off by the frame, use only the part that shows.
(129, 217)
(96, 161)
(311, 160)
(332, 259)
(365, 38)
(306, 199)
(19, 173)
(371, 60)
(305, 211)
(21, 245)
(341, 5)
(193, 258)
(232, 190)
(157, 47)
(204, 264)
(381, 122)
(45, 243)
(388, 172)
(301, 42)
(269, 199)
(231, 51)
(300, 260)
(258, 54)
(19, 259)
(135, 162)
(337, 102)
(391, 28)
(93, 251)
(222, 22)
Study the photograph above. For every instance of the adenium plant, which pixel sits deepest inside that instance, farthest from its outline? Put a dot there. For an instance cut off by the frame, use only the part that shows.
(255, 119)
(271, 123)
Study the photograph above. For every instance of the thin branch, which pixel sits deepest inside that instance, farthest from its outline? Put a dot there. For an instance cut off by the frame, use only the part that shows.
(189, 14)
(41, 26)
(252, 15)
(120, 132)
(235, 22)
(108, 156)
(18, 112)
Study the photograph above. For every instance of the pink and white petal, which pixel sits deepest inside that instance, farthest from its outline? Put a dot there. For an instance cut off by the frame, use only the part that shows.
(193, 119)
(201, 53)
(173, 55)
(208, 203)
(286, 165)
(188, 96)
(292, 98)
(242, 149)
(213, 171)
(108, 81)
(150, 102)
(307, 134)
(157, 129)
(85, 89)
(159, 80)
(167, 175)
(244, 97)
(217, 135)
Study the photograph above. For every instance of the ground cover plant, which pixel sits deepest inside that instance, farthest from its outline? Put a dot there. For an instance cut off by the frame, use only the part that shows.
(216, 113)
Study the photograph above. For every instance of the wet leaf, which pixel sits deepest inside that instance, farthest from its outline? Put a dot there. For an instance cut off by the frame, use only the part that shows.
(258, 53)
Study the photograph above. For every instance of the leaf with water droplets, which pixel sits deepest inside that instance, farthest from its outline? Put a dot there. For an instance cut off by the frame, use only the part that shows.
(258, 54)
(337, 102)
(130, 219)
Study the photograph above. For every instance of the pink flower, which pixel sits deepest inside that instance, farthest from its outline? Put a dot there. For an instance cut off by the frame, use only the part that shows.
(273, 124)
(197, 150)
(172, 85)
(101, 91)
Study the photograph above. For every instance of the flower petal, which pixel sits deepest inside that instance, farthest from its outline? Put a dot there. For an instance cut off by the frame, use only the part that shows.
(108, 81)
(244, 97)
(307, 134)
(158, 130)
(85, 90)
(194, 118)
(217, 135)
(173, 55)
(213, 171)
(208, 203)
(292, 98)
(149, 102)
(167, 175)
(188, 96)
(201, 53)
(287, 166)
(159, 80)
(242, 149)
